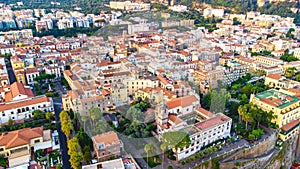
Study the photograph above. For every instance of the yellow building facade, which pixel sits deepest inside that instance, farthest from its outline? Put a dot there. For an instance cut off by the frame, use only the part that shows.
(284, 104)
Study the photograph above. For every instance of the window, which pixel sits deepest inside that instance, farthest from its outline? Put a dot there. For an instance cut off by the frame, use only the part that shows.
(37, 141)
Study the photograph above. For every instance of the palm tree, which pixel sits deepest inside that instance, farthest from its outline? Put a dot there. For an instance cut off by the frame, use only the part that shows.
(248, 119)
(147, 149)
(95, 114)
(163, 148)
(84, 119)
(241, 111)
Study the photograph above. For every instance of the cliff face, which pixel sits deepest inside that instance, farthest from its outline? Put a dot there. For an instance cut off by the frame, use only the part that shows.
(262, 154)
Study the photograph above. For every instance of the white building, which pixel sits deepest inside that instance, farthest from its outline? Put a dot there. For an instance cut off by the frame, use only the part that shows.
(210, 12)
(31, 73)
(54, 69)
(178, 8)
(18, 102)
(297, 53)
(137, 28)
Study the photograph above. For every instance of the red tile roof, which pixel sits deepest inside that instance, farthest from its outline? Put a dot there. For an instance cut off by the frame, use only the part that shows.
(182, 101)
(23, 103)
(108, 138)
(20, 137)
(274, 76)
(290, 125)
(212, 122)
(18, 88)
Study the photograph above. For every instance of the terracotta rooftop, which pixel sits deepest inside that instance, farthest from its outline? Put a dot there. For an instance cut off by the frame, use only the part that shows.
(108, 138)
(274, 76)
(290, 125)
(175, 119)
(31, 70)
(162, 80)
(20, 137)
(18, 88)
(204, 112)
(23, 103)
(219, 119)
(182, 101)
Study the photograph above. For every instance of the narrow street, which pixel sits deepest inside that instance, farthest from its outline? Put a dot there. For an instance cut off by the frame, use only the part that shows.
(12, 77)
(62, 137)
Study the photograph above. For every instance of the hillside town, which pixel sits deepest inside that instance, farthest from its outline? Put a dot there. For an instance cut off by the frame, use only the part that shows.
(148, 85)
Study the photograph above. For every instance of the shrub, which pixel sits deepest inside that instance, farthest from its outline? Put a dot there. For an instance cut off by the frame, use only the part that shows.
(170, 167)
(187, 160)
(49, 94)
(182, 162)
(251, 137)
(55, 94)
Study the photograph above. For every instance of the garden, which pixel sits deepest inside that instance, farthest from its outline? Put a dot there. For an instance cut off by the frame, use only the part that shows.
(40, 118)
(46, 159)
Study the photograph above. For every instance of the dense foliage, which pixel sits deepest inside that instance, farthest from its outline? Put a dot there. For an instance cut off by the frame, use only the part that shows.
(176, 139)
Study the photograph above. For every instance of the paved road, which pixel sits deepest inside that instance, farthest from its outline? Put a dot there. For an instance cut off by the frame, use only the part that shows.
(62, 137)
(11, 75)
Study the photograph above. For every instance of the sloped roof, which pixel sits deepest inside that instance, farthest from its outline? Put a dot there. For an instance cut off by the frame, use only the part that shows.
(20, 137)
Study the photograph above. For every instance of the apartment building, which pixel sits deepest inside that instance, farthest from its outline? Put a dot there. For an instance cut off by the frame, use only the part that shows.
(297, 53)
(120, 163)
(134, 85)
(19, 145)
(210, 77)
(184, 114)
(278, 82)
(285, 104)
(107, 145)
(56, 69)
(18, 102)
(30, 74)
(24, 33)
(4, 79)
(267, 61)
(212, 129)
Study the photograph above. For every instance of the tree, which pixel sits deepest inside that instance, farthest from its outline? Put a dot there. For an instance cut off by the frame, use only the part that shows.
(163, 148)
(95, 114)
(298, 77)
(73, 145)
(10, 122)
(87, 157)
(38, 114)
(176, 139)
(84, 120)
(246, 90)
(66, 125)
(3, 162)
(207, 100)
(235, 86)
(218, 100)
(257, 133)
(147, 148)
(134, 114)
(75, 159)
(84, 139)
(290, 72)
(49, 115)
(44, 77)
